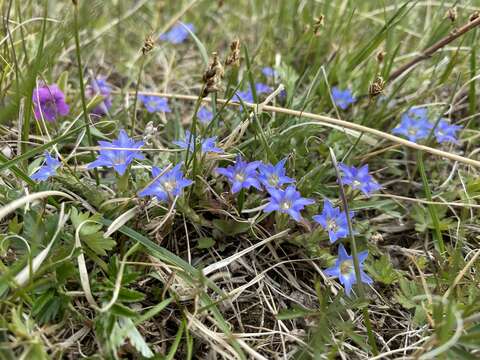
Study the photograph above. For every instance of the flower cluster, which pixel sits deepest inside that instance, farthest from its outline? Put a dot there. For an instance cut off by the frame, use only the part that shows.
(415, 126)
(167, 184)
(178, 33)
(206, 146)
(49, 102)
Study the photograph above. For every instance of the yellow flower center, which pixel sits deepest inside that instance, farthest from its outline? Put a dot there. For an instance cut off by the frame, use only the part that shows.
(285, 205)
(346, 267)
(273, 180)
(169, 185)
(239, 177)
(332, 225)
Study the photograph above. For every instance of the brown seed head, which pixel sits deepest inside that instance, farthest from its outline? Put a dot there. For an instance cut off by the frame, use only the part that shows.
(380, 56)
(234, 57)
(213, 76)
(376, 88)
(148, 44)
(451, 14)
(318, 24)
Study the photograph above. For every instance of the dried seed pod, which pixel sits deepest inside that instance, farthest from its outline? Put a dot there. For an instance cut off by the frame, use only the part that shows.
(318, 23)
(213, 76)
(376, 88)
(148, 44)
(451, 14)
(380, 56)
(234, 57)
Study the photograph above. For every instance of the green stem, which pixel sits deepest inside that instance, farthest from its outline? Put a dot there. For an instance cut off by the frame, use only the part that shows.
(438, 238)
(356, 263)
(137, 86)
(82, 89)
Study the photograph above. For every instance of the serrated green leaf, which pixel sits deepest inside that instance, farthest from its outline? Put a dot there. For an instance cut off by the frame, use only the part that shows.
(98, 243)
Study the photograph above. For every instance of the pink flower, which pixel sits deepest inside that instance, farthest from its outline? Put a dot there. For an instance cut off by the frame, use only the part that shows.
(49, 102)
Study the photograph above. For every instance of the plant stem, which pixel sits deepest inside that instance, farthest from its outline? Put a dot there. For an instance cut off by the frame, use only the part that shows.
(137, 86)
(356, 264)
(82, 89)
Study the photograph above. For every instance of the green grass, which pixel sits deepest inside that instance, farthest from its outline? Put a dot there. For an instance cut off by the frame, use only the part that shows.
(266, 302)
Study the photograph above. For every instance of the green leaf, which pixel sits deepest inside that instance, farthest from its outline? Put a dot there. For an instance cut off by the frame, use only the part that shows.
(382, 270)
(205, 242)
(90, 232)
(128, 330)
(294, 313)
(98, 243)
(231, 227)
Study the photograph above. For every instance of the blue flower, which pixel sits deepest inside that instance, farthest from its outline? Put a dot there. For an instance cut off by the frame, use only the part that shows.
(245, 96)
(344, 269)
(101, 87)
(204, 115)
(269, 72)
(242, 175)
(261, 88)
(206, 146)
(178, 33)
(334, 221)
(288, 201)
(209, 145)
(342, 98)
(446, 132)
(414, 125)
(118, 153)
(48, 169)
(274, 175)
(167, 186)
(359, 179)
(154, 103)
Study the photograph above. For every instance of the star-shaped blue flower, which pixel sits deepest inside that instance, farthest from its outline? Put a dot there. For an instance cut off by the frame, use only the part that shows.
(274, 175)
(206, 146)
(414, 125)
(118, 154)
(154, 103)
(47, 170)
(342, 98)
(242, 175)
(334, 221)
(288, 201)
(178, 33)
(204, 115)
(167, 186)
(446, 132)
(344, 269)
(269, 72)
(359, 179)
